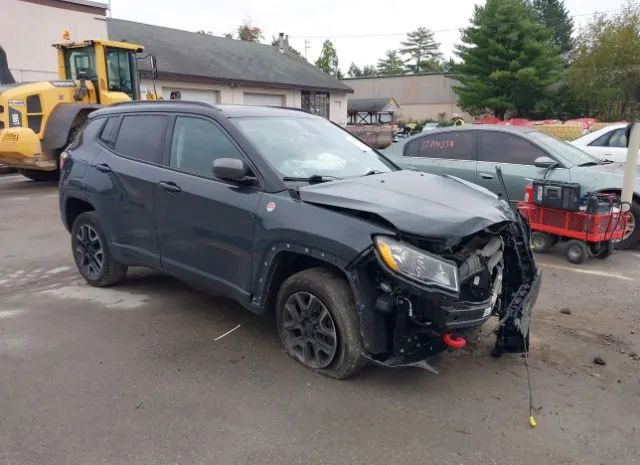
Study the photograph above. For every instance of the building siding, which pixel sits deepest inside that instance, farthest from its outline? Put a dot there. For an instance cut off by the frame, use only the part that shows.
(235, 95)
(419, 96)
(29, 28)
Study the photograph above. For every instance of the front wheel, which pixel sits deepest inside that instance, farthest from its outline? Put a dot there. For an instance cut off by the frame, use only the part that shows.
(91, 252)
(40, 175)
(632, 227)
(577, 251)
(318, 323)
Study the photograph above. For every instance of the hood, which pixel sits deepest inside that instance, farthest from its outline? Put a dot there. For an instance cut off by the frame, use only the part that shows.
(615, 167)
(416, 203)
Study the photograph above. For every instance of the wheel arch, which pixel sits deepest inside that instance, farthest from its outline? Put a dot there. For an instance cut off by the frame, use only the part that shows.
(62, 119)
(74, 207)
(285, 261)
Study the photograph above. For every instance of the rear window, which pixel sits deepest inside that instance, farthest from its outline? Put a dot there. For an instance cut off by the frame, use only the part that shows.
(453, 145)
(142, 137)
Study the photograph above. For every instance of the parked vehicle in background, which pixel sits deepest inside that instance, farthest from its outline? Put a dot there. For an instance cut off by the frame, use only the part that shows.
(286, 212)
(608, 143)
(472, 152)
(429, 127)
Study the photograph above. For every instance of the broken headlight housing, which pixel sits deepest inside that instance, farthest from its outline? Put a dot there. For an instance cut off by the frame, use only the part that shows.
(417, 264)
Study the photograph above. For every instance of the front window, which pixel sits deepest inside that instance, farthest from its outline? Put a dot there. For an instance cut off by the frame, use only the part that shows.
(121, 71)
(567, 152)
(301, 147)
(80, 60)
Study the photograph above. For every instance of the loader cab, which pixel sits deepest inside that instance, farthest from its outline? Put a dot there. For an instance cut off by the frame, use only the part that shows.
(110, 67)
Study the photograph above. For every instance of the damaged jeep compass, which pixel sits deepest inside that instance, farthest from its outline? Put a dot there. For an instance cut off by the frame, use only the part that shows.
(285, 212)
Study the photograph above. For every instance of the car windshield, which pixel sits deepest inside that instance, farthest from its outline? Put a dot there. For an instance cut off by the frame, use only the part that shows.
(569, 153)
(303, 147)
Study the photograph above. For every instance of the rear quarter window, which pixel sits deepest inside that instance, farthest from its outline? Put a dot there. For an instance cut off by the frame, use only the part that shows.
(108, 134)
(454, 145)
(142, 137)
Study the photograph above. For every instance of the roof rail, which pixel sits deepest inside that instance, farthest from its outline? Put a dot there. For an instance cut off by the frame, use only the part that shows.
(170, 102)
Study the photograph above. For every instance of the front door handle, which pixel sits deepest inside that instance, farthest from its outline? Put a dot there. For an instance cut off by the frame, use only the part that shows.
(103, 168)
(169, 186)
(486, 176)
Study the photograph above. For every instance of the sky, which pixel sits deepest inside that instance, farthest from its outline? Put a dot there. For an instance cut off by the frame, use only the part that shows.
(361, 30)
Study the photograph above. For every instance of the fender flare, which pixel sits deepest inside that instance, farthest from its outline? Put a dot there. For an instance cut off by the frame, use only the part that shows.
(61, 121)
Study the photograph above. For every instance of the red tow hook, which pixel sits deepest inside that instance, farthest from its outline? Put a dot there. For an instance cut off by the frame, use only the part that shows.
(454, 341)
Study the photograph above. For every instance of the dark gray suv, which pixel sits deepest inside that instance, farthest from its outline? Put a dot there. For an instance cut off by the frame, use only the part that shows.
(285, 212)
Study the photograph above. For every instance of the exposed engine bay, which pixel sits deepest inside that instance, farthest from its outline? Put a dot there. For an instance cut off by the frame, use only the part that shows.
(412, 320)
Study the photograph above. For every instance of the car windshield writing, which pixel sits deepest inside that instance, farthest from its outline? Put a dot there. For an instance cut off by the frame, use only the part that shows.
(304, 146)
(568, 152)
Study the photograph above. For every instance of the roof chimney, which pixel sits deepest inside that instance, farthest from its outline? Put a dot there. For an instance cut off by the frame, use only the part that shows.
(281, 42)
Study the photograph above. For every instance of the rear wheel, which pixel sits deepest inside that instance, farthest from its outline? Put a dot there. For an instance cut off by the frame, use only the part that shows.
(318, 323)
(91, 252)
(39, 175)
(577, 251)
(601, 249)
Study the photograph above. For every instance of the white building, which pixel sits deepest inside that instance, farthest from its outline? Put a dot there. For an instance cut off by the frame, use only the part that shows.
(29, 27)
(212, 69)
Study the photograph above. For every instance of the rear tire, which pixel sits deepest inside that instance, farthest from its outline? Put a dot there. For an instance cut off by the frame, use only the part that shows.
(39, 175)
(601, 250)
(315, 309)
(577, 251)
(91, 252)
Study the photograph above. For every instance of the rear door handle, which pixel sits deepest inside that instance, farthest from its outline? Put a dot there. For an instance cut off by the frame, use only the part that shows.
(103, 168)
(169, 186)
(486, 176)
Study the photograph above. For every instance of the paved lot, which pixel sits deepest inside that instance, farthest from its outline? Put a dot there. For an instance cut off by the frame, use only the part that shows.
(133, 374)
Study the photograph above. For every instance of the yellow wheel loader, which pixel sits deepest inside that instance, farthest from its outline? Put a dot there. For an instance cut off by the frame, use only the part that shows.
(39, 119)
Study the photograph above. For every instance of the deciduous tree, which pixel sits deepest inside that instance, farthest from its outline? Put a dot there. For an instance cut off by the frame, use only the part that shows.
(328, 59)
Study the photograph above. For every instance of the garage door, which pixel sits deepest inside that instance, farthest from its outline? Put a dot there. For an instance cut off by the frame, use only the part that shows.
(263, 99)
(197, 95)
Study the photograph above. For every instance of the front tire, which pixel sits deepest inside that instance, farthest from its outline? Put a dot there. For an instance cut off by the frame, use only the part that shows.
(39, 175)
(632, 230)
(318, 323)
(577, 251)
(91, 252)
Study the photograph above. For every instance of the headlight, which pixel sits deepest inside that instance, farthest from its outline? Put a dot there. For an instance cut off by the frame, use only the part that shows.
(417, 264)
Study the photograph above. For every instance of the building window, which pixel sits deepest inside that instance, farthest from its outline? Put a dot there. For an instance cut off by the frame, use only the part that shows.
(316, 102)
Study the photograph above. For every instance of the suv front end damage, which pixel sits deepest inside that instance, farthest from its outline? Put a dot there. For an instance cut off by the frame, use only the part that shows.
(418, 296)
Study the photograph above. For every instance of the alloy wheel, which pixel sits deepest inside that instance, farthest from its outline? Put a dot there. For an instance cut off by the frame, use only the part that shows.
(309, 332)
(89, 251)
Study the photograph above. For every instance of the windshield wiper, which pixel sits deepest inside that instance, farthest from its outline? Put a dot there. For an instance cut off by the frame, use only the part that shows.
(589, 163)
(314, 178)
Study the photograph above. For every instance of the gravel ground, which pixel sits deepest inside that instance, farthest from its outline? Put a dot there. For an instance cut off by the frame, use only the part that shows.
(133, 374)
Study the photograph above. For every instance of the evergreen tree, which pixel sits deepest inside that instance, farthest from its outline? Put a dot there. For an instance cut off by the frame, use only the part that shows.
(328, 59)
(507, 60)
(392, 63)
(369, 70)
(422, 49)
(555, 17)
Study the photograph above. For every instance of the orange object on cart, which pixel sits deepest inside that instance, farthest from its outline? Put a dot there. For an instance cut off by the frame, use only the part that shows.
(588, 227)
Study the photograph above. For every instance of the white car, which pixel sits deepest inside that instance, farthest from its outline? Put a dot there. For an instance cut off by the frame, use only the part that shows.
(609, 142)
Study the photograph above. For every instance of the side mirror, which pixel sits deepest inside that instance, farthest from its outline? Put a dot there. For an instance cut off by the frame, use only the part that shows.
(545, 162)
(231, 169)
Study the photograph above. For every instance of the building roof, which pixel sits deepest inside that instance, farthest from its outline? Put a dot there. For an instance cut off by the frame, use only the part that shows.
(372, 105)
(101, 5)
(188, 56)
